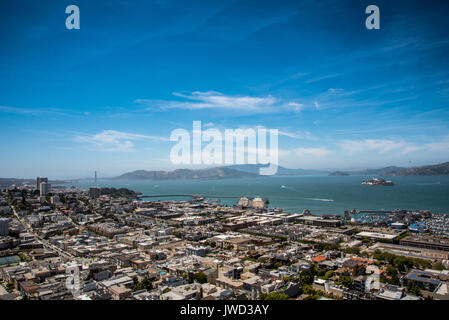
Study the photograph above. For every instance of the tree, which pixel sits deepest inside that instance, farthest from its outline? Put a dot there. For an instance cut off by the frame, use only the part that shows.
(306, 277)
(200, 277)
(391, 271)
(145, 284)
(345, 281)
(277, 265)
(414, 288)
(328, 274)
(274, 296)
(438, 266)
(10, 286)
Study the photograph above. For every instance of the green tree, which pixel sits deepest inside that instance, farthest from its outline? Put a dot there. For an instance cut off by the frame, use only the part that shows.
(145, 284)
(306, 277)
(10, 286)
(200, 277)
(413, 287)
(277, 265)
(344, 281)
(274, 296)
(438, 266)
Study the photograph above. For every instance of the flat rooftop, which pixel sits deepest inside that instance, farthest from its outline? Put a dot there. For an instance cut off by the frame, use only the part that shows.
(376, 235)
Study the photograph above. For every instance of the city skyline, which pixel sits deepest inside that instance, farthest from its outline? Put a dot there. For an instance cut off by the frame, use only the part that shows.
(106, 97)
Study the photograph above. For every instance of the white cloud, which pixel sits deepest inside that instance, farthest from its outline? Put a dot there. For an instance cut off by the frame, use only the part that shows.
(215, 100)
(114, 141)
(410, 149)
(442, 145)
(330, 76)
(381, 146)
(297, 107)
(335, 90)
(34, 112)
(208, 125)
(297, 135)
(314, 152)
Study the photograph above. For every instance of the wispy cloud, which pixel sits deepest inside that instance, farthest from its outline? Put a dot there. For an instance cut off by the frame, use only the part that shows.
(25, 111)
(314, 152)
(381, 146)
(208, 125)
(326, 77)
(114, 141)
(442, 145)
(215, 100)
(301, 135)
(286, 132)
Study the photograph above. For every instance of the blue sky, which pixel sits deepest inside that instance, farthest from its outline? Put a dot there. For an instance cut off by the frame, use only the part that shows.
(106, 97)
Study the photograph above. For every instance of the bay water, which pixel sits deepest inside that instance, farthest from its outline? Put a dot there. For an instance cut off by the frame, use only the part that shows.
(320, 194)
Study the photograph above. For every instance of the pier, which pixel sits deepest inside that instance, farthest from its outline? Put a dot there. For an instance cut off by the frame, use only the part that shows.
(193, 196)
(373, 211)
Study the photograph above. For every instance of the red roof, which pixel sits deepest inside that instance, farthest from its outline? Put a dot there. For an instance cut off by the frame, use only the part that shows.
(363, 260)
(319, 259)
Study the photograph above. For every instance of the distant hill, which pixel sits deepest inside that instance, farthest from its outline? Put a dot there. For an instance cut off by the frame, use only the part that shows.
(8, 182)
(186, 174)
(252, 171)
(282, 171)
(338, 174)
(119, 193)
(431, 170)
(380, 172)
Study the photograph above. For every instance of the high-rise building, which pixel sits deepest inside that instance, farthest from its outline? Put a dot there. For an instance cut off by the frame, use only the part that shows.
(45, 188)
(39, 181)
(94, 192)
(4, 227)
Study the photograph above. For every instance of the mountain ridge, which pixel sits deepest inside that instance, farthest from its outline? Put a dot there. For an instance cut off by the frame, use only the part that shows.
(185, 174)
(252, 171)
(282, 171)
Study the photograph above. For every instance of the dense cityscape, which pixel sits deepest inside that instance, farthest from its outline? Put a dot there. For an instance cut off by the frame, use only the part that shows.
(65, 243)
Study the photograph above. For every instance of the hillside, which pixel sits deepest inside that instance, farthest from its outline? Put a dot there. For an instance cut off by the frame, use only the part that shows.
(381, 171)
(433, 170)
(8, 182)
(185, 174)
(282, 171)
(338, 174)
